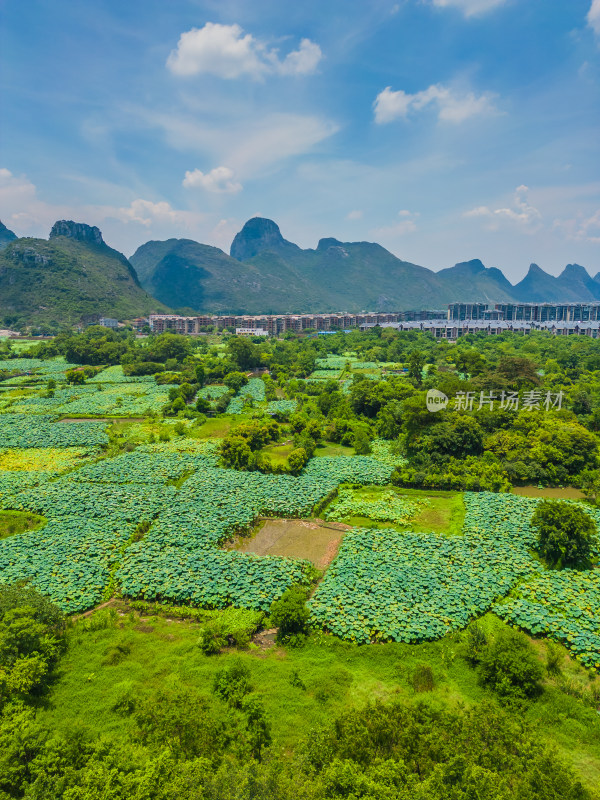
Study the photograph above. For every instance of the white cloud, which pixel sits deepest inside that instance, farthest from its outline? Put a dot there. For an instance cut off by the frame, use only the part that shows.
(593, 16)
(452, 106)
(470, 8)
(22, 210)
(303, 61)
(354, 215)
(225, 51)
(522, 213)
(219, 180)
(583, 229)
(250, 145)
(406, 224)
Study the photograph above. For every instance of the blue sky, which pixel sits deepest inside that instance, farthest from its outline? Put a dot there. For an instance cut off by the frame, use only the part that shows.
(443, 129)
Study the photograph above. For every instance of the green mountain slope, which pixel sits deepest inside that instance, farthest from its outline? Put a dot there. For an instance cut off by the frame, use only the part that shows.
(6, 236)
(72, 277)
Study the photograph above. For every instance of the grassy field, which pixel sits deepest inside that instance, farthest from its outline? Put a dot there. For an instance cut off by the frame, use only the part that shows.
(444, 512)
(156, 652)
(13, 522)
(331, 449)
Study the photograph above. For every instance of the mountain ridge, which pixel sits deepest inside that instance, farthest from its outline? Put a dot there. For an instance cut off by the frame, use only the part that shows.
(264, 273)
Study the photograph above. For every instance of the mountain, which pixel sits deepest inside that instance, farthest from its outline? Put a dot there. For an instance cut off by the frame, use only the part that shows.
(71, 277)
(6, 236)
(471, 281)
(266, 273)
(258, 235)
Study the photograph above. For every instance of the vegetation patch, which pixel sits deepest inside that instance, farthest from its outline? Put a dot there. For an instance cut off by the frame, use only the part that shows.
(13, 522)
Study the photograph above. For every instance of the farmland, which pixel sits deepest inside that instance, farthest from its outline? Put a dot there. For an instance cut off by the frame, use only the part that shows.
(135, 505)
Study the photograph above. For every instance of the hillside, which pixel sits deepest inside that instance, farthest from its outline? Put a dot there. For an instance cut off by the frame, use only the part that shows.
(267, 273)
(6, 236)
(74, 276)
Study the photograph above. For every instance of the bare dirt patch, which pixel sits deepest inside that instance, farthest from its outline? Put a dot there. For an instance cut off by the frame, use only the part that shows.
(296, 538)
(566, 493)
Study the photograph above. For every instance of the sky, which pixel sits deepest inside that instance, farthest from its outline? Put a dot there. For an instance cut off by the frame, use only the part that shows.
(444, 130)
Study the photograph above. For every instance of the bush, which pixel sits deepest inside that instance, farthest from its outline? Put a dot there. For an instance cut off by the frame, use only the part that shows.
(510, 668)
(566, 534)
(210, 642)
(474, 643)
(422, 679)
(290, 615)
(232, 683)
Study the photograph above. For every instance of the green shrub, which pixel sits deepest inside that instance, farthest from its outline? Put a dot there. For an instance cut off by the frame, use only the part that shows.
(232, 683)
(290, 615)
(509, 667)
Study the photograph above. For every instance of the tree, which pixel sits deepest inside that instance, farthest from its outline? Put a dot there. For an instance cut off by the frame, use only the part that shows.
(232, 683)
(236, 453)
(200, 375)
(416, 362)
(235, 381)
(289, 614)
(75, 377)
(362, 444)
(297, 460)
(567, 535)
(257, 725)
(245, 354)
(510, 668)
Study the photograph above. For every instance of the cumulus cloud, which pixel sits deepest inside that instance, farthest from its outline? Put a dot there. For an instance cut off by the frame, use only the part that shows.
(229, 53)
(219, 180)
(522, 213)
(354, 215)
(451, 105)
(593, 16)
(470, 8)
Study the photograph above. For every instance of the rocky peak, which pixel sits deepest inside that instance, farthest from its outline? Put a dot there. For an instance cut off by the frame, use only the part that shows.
(77, 230)
(575, 272)
(325, 244)
(258, 234)
(473, 266)
(6, 236)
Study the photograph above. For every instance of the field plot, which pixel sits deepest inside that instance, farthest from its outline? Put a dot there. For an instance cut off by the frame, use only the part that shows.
(387, 585)
(294, 538)
(401, 509)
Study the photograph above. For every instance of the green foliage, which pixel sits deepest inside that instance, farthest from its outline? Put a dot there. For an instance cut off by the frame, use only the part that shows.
(31, 641)
(567, 535)
(235, 381)
(510, 668)
(290, 615)
(422, 679)
(232, 683)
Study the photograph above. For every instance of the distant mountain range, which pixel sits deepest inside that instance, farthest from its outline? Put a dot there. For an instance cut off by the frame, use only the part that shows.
(266, 273)
(74, 276)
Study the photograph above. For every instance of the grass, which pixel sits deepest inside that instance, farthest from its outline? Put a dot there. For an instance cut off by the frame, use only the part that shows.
(336, 674)
(14, 522)
(278, 453)
(444, 514)
(331, 449)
